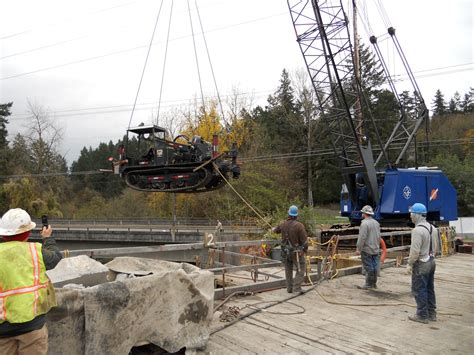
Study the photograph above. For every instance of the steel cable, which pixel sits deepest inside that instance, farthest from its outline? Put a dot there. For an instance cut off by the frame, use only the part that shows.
(144, 66)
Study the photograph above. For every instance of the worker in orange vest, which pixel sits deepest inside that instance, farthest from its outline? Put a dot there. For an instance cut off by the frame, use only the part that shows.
(26, 293)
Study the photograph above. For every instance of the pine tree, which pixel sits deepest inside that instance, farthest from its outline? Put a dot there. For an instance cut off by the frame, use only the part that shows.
(454, 105)
(4, 113)
(467, 105)
(438, 104)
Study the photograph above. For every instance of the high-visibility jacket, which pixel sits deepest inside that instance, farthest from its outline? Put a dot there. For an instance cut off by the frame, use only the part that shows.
(25, 290)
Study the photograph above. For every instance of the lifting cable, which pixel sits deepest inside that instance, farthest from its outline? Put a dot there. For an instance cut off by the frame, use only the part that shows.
(164, 63)
(144, 66)
(383, 14)
(259, 215)
(197, 59)
(210, 65)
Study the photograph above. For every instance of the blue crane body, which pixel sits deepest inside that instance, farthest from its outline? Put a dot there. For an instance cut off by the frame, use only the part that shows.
(401, 188)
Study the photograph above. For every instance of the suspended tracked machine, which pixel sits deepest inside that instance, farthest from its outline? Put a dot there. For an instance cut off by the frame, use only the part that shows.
(161, 165)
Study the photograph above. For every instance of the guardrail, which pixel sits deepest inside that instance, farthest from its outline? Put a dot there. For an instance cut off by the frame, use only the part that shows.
(147, 221)
(153, 228)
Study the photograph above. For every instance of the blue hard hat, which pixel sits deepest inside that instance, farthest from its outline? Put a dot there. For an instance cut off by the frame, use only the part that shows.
(418, 208)
(293, 211)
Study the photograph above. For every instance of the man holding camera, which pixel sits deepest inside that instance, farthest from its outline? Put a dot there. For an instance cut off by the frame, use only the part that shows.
(26, 293)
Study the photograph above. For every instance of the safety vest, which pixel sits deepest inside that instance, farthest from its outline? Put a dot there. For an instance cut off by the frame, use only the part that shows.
(25, 290)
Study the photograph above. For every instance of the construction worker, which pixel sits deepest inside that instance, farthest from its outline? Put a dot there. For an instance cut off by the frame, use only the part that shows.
(293, 248)
(421, 264)
(368, 246)
(26, 293)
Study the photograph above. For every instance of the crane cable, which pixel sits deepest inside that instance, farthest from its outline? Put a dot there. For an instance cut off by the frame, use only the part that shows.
(144, 66)
(210, 64)
(197, 59)
(164, 63)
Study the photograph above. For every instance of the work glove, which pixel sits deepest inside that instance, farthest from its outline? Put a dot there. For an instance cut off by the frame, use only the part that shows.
(409, 269)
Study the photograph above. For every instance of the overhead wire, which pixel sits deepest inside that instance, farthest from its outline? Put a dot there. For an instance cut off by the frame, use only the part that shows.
(132, 49)
(67, 20)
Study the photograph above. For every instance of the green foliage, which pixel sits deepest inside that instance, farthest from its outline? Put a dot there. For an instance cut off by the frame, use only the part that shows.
(439, 105)
(450, 128)
(91, 160)
(460, 173)
(289, 123)
(4, 151)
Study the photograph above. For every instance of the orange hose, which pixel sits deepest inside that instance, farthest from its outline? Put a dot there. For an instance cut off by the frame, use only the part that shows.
(384, 250)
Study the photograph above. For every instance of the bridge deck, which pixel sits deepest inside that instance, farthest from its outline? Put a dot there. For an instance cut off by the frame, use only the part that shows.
(349, 328)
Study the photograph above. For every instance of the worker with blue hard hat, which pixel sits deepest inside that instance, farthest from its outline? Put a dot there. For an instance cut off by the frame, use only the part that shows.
(418, 208)
(293, 248)
(293, 211)
(421, 264)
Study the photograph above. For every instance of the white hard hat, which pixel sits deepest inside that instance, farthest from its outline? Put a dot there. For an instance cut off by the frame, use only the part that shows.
(367, 210)
(16, 221)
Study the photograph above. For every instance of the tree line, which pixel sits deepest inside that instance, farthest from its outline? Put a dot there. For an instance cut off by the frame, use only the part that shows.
(284, 149)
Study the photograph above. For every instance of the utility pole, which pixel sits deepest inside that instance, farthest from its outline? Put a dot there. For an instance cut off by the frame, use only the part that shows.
(173, 229)
(357, 105)
(310, 171)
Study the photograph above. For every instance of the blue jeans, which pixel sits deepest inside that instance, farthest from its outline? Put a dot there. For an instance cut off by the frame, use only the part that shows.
(371, 265)
(422, 287)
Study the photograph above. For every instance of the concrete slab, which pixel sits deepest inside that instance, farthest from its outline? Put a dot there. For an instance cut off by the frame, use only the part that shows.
(80, 270)
(170, 305)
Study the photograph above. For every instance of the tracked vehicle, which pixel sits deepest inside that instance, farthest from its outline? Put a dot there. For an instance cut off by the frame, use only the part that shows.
(181, 165)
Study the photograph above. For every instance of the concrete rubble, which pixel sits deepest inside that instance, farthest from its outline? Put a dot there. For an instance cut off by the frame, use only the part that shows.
(80, 270)
(145, 301)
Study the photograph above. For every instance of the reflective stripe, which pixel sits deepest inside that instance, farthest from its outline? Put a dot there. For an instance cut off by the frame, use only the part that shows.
(36, 269)
(2, 309)
(22, 290)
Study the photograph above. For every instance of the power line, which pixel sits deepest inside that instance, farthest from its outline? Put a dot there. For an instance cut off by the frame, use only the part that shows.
(127, 108)
(88, 59)
(22, 32)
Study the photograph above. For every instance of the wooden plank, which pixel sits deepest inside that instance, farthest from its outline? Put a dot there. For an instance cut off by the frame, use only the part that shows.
(366, 329)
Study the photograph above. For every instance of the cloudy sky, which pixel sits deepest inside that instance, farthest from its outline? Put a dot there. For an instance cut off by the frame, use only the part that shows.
(82, 60)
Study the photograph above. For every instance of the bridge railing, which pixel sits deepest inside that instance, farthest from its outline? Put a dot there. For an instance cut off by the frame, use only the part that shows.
(148, 221)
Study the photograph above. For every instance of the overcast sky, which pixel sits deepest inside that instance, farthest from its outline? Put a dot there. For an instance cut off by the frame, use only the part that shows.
(83, 59)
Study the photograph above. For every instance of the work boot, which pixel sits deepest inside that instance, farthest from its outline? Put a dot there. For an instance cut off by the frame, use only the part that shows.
(432, 317)
(289, 290)
(417, 318)
(365, 287)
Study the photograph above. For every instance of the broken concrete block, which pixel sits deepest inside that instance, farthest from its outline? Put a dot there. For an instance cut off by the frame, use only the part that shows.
(171, 306)
(66, 323)
(78, 270)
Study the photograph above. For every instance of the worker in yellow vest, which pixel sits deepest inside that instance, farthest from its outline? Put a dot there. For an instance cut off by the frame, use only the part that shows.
(26, 293)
